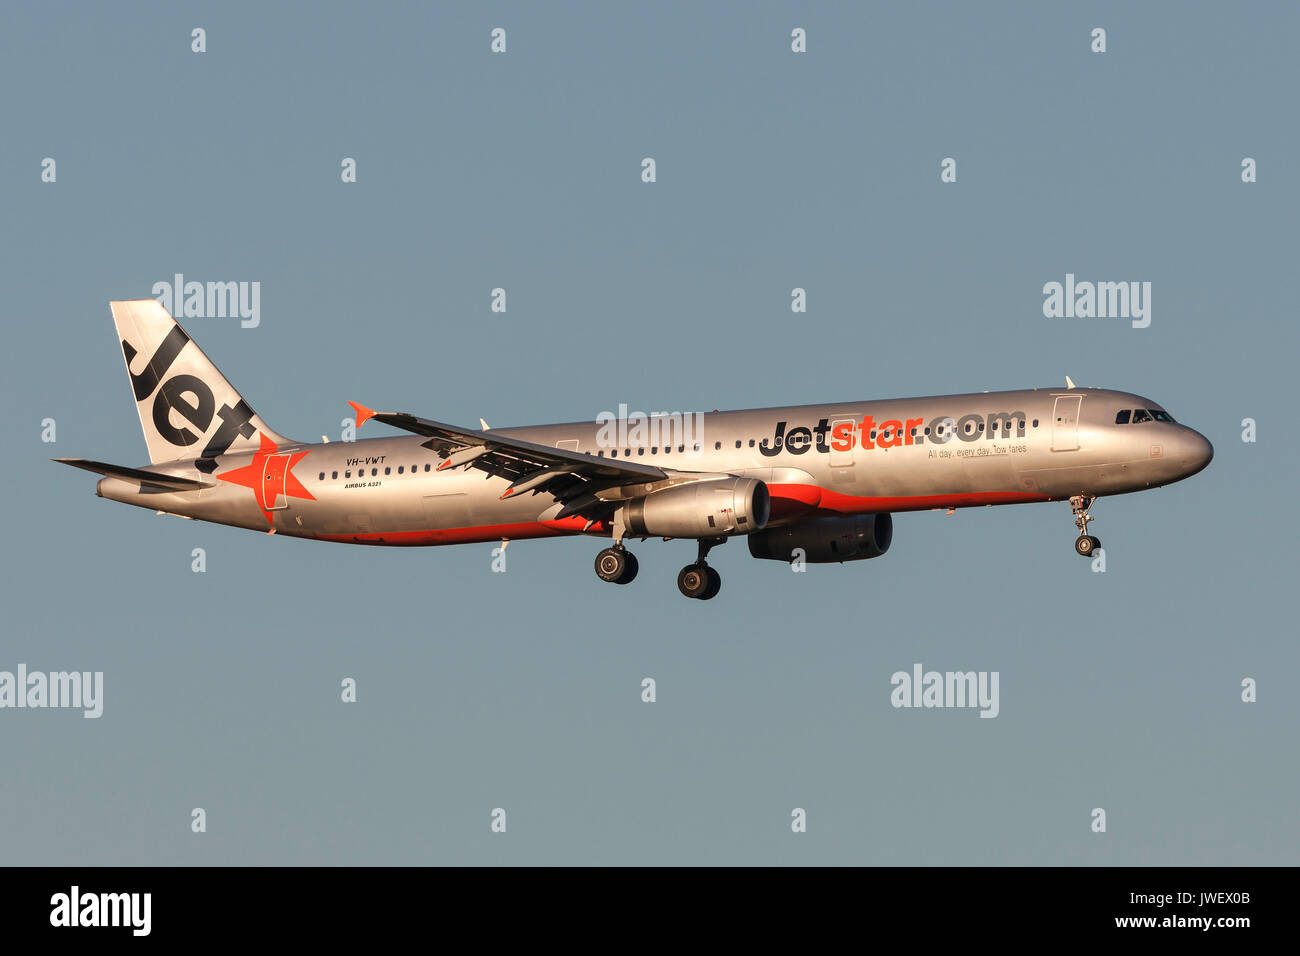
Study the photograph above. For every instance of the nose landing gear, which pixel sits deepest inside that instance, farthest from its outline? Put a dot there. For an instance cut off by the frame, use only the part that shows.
(1085, 544)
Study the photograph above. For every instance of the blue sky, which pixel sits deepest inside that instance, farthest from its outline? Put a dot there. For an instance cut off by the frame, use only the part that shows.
(775, 170)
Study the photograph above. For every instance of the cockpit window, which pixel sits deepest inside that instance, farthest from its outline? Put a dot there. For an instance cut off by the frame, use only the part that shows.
(1140, 415)
(1121, 418)
(1161, 416)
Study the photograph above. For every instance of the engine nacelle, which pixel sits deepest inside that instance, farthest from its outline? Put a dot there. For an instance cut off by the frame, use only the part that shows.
(714, 507)
(826, 540)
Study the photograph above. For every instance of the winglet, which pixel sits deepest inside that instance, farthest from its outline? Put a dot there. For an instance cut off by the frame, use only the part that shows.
(363, 414)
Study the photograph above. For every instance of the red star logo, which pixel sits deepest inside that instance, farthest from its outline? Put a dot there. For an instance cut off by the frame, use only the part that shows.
(270, 475)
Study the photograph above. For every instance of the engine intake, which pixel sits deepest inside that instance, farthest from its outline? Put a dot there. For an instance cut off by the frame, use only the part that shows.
(826, 540)
(715, 507)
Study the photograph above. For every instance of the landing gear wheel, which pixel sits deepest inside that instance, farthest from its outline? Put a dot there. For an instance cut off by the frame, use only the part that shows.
(629, 572)
(1085, 544)
(612, 564)
(693, 580)
(715, 585)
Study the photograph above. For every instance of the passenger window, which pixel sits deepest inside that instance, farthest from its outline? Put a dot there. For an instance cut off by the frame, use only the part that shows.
(717, 445)
(1035, 422)
(322, 476)
(751, 443)
(373, 472)
(347, 474)
(1140, 415)
(426, 467)
(401, 469)
(1121, 418)
(333, 474)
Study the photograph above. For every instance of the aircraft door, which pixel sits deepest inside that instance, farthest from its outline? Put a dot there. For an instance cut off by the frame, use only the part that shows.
(1065, 422)
(273, 496)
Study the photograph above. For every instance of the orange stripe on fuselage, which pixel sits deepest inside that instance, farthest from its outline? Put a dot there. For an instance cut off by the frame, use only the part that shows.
(475, 535)
(788, 501)
(791, 500)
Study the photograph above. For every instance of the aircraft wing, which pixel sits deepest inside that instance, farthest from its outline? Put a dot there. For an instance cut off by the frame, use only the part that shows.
(567, 475)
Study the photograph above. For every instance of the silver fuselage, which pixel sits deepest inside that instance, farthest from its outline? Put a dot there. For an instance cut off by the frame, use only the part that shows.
(950, 451)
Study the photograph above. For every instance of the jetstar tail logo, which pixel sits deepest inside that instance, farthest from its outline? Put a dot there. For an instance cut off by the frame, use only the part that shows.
(171, 397)
(271, 477)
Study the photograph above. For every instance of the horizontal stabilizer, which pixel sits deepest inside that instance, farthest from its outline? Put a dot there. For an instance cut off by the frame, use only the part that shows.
(170, 482)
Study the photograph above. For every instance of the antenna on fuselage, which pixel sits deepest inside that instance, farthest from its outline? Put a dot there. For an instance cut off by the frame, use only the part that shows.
(1068, 382)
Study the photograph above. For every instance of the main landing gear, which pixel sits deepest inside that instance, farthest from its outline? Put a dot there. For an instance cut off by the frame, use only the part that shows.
(616, 565)
(1085, 544)
(619, 566)
(698, 580)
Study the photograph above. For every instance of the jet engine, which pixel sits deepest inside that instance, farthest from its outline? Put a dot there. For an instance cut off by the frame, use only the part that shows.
(714, 507)
(826, 540)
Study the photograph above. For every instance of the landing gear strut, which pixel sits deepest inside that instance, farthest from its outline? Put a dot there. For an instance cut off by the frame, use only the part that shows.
(698, 580)
(617, 564)
(1085, 544)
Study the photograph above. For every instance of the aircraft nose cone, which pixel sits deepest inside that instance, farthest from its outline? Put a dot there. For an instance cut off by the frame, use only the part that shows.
(1195, 451)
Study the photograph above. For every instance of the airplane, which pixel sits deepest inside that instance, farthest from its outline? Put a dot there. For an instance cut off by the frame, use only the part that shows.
(817, 483)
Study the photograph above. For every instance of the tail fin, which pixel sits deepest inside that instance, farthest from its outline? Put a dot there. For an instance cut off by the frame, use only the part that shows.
(187, 408)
